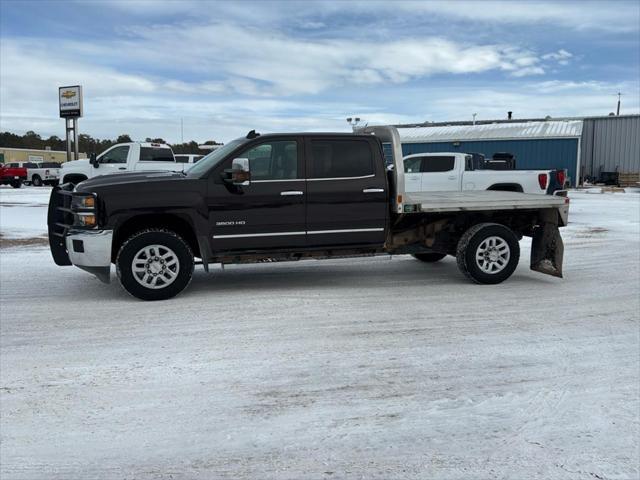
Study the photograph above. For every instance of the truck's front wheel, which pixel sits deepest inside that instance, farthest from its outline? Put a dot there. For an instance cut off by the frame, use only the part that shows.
(488, 253)
(155, 264)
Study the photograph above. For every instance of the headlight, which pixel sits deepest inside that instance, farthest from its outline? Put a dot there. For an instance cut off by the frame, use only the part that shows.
(83, 202)
(86, 220)
(83, 206)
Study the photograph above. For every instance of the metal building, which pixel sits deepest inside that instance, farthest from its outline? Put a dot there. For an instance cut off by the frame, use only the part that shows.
(588, 145)
(10, 155)
(610, 144)
(536, 144)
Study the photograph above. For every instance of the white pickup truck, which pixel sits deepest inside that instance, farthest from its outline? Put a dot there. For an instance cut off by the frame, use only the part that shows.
(122, 158)
(39, 173)
(446, 172)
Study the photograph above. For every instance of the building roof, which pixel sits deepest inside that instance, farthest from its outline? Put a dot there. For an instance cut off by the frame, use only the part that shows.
(32, 150)
(492, 131)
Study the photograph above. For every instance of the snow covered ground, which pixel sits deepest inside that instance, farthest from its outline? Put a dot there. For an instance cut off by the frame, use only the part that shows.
(372, 368)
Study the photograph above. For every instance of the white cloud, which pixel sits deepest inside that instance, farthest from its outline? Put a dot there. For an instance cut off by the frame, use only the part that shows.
(619, 16)
(615, 16)
(273, 63)
(224, 79)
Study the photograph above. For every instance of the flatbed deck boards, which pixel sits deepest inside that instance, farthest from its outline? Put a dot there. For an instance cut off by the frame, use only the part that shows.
(480, 200)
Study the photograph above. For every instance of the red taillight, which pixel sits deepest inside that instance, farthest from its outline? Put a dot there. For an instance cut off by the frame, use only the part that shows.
(542, 180)
(560, 177)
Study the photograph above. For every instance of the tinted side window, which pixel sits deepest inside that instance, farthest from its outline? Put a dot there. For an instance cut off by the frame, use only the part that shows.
(150, 154)
(412, 165)
(341, 158)
(30, 165)
(273, 160)
(182, 158)
(438, 164)
(50, 165)
(117, 155)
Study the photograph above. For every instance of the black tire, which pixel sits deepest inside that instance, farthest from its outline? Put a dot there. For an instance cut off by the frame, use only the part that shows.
(163, 238)
(16, 184)
(36, 181)
(468, 248)
(429, 257)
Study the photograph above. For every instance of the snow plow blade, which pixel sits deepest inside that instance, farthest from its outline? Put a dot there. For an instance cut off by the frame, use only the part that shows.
(547, 250)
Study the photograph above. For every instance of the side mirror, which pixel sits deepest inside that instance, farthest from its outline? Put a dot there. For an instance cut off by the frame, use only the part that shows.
(93, 160)
(240, 173)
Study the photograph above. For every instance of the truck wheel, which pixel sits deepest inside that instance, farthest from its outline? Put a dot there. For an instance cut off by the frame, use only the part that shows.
(154, 264)
(16, 184)
(429, 257)
(488, 253)
(36, 181)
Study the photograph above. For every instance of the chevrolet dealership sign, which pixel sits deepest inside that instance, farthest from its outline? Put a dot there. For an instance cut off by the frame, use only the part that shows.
(70, 101)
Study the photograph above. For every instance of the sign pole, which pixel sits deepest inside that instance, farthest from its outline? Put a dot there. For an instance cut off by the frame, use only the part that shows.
(68, 130)
(76, 149)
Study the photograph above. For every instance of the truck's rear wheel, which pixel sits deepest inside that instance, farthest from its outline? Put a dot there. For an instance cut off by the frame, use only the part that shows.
(154, 264)
(36, 181)
(16, 183)
(429, 257)
(488, 253)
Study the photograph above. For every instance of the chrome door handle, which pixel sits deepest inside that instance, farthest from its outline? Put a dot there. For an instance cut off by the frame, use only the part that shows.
(451, 178)
(291, 192)
(373, 190)
(122, 168)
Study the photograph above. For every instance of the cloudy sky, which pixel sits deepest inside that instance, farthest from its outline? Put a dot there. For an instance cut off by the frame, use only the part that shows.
(228, 67)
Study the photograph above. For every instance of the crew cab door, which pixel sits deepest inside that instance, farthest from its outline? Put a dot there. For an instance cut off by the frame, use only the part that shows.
(413, 173)
(269, 213)
(114, 160)
(347, 194)
(441, 173)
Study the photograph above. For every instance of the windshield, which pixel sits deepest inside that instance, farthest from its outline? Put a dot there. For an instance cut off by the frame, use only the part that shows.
(211, 160)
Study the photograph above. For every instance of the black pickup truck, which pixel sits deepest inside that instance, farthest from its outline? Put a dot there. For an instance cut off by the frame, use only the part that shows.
(291, 197)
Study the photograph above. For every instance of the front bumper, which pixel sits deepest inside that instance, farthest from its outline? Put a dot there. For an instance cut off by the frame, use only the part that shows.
(89, 250)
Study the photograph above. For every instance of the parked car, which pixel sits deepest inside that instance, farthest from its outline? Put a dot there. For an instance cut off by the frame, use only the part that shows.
(292, 197)
(40, 173)
(187, 157)
(122, 158)
(14, 176)
(446, 171)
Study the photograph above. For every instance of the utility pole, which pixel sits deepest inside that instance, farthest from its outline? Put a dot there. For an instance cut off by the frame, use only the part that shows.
(474, 118)
(618, 110)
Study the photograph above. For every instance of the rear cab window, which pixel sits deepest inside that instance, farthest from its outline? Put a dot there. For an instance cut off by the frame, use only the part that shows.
(338, 158)
(438, 164)
(156, 154)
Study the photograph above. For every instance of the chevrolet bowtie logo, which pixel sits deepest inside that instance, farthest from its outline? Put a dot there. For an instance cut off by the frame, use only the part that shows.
(68, 94)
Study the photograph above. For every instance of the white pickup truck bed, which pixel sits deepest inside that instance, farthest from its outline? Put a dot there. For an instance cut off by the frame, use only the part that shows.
(481, 200)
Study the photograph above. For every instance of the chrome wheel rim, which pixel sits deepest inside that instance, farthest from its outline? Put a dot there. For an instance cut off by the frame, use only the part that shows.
(155, 266)
(492, 255)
